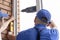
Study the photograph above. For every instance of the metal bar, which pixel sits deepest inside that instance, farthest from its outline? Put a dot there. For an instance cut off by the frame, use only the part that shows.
(39, 5)
(15, 16)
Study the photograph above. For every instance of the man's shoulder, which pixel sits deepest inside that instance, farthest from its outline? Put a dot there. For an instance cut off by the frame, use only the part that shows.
(31, 30)
(25, 35)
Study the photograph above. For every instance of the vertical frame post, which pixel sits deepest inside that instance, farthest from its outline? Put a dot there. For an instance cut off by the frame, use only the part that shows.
(15, 16)
(39, 4)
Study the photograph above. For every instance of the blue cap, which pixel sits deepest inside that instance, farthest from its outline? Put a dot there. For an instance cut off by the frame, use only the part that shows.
(3, 14)
(44, 13)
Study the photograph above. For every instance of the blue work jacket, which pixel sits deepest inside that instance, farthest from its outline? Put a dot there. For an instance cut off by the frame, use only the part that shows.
(45, 34)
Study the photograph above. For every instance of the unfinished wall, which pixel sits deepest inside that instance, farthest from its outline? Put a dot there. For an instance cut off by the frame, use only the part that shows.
(6, 7)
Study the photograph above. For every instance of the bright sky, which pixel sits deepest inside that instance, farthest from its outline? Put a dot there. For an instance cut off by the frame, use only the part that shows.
(27, 19)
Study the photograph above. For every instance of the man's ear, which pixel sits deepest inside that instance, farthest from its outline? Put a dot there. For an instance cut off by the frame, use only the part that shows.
(48, 23)
(35, 20)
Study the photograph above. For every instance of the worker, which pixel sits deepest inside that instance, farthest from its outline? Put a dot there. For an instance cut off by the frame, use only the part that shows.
(40, 30)
(4, 25)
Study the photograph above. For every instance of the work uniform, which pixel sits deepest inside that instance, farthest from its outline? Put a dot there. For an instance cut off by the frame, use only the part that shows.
(45, 34)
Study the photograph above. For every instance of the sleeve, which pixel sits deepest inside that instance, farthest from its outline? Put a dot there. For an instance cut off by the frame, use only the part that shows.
(54, 34)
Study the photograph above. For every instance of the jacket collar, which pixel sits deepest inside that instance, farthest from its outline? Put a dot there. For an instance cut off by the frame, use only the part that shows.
(40, 26)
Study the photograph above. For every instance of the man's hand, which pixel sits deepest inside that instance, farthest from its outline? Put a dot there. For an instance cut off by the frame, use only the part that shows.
(52, 24)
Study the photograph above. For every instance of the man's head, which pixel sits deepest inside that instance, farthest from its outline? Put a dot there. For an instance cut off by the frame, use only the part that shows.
(42, 17)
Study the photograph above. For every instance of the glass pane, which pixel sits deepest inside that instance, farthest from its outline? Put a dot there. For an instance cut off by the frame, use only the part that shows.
(26, 19)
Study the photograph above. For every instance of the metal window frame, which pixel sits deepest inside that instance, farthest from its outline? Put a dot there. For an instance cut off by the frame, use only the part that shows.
(39, 4)
(15, 16)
